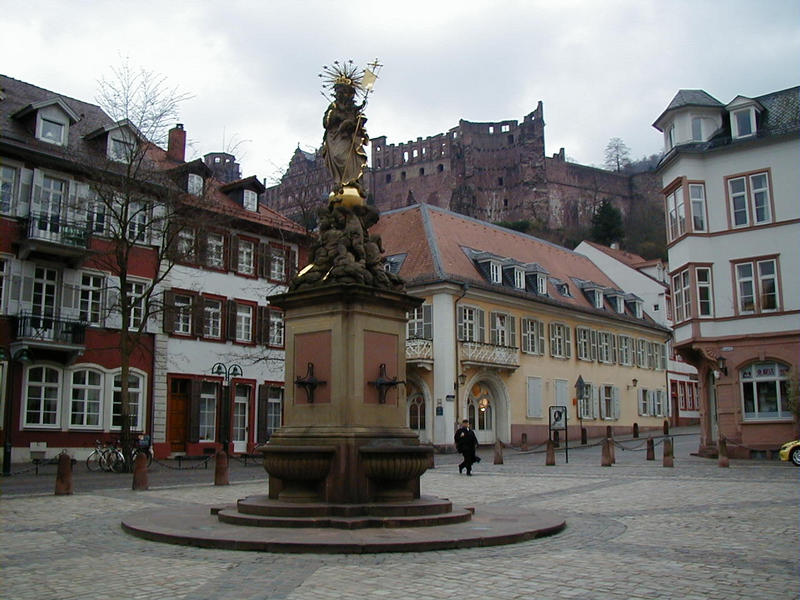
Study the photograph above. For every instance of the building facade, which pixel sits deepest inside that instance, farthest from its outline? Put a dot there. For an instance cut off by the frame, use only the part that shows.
(508, 325)
(649, 279)
(731, 188)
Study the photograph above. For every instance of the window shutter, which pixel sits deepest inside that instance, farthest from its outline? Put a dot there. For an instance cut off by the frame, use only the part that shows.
(195, 385)
(169, 311)
(230, 320)
(291, 264)
(202, 248)
(262, 325)
(639, 398)
(567, 342)
(113, 316)
(599, 401)
(198, 315)
(613, 339)
(27, 291)
(651, 403)
(593, 343)
(525, 326)
(663, 357)
(70, 292)
(36, 200)
(512, 331)
(493, 327)
(535, 397)
(540, 337)
(481, 325)
(615, 397)
(427, 321)
(263, 252)
(460, 326)
(233, 253)
(552, 340)
(261, 419)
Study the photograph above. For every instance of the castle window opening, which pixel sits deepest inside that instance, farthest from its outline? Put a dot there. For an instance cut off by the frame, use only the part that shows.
(422, 170)
(402, 175)
(510, 139)
(499, 181)
(505, 202)
(491, 129)
(415, 153)
(504, 128)
(440, 168)
(405, 156)
(388, 178)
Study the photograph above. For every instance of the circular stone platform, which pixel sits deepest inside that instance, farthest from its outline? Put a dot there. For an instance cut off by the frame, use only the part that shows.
(192, 525)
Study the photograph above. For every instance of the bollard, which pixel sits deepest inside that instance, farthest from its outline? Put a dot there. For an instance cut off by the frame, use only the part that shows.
(723, 460)
(584, 436)
(140, 480)
(605, 457)
(498, 453)
(523, 442)
(668, 458)
(666, 427)
(556, 436)
(609, 432)
(651, 448)
(550, 460)
(64, 475)
(635, 430)
(611, 451)
(221, 468)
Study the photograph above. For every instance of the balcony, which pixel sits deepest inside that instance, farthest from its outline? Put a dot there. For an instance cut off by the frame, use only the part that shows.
(419, 352)
(50, 333)
(478, 354)
(48, 235)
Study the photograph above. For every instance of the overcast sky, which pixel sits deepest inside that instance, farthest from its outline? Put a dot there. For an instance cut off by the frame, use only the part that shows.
(603, 68)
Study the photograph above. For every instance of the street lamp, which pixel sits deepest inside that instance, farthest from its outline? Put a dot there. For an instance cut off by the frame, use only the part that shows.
(227, 372)
(580, 390)
(22, 356)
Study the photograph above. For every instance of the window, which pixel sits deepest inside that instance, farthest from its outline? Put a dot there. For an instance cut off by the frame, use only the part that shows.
(420, 323)
(683, 300)
(3, 279)
(641, 353)
(606, 347)
(137, 221)
(697, 129)
(250, 200)
(757, 286)
(275, 328)
(519, 279)
(135, 402)
(560, 343)
(96, 216)
(274, 404)
(751, 205)
(503, 329)
(212, 318)
(541, 284)
(207, 418)
(597, 298)
(8, 186)
(41, 397)
(651, 355)
(416, 412)
(697, 195)
(534, 404)
(675, 214)
(186, 245)
(86, 399)
(52, 194)
(52, 131)
(657, 397)
(183, 315)
(671, 137)
(277, 264)
(470, 324)
(495, 273)
(705, 297)
(644, 402)
(195, 184)
(121, 150)
(626, 350)
(91, 303)
(585, 348)
(215, 250)
(659, 356)
(587, 402)
(609, 402)
(135, 294)
(533, 336)
(743, 123)
(245, 263)
(244, 323)
(765, 391)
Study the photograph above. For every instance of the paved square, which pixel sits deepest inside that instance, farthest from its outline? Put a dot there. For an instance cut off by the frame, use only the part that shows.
(634, 531)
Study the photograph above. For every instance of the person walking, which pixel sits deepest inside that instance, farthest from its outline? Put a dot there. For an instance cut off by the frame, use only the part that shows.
(466, 444)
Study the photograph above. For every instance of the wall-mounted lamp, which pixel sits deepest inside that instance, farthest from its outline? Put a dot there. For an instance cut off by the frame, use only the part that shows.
(226, 372)
(722, 365)
(634, 383)
(462, 379)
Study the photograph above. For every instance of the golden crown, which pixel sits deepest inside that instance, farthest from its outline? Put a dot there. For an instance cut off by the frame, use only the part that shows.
(347, 73)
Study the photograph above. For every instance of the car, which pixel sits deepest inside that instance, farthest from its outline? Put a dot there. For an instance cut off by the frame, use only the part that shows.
(791, 451)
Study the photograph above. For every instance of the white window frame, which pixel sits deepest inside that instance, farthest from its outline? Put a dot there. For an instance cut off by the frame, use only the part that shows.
(185, 245)
(92, 291)
(42, 399)
(182, 323)
(470, 323)
(40, 130)
(756, 376)
(250, 200)
(705, 292)
(83, 392)
(534, 398)
(626, 348)
(207, 412)
(606, 347)
(215, 250)
(541, 284)
(560, 343)
(212, 318)
(519, 278)
(136, 399)
(760, 198)
(738, 196)
(641, 353)
(502, 329)
(583, 343)
(495, 272)
(697, 202)
(681, 292)
(697, 129)
(136, 315)
(119, 149)
(276, 328)
(244, 323)
(138, 217)
(277, 264)
(736, 132)
(245, 262)
(532, 336)
(676, 213)
(746, 301)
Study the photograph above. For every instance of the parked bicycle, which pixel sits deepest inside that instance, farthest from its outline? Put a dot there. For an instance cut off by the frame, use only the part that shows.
(105, 457)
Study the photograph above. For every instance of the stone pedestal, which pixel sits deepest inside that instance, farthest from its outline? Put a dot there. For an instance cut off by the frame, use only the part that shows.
(345, 439)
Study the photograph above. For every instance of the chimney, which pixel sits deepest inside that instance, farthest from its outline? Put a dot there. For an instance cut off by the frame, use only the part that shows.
(176, 145)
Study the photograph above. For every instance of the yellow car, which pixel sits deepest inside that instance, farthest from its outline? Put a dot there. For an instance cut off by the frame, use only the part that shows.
(791, 451)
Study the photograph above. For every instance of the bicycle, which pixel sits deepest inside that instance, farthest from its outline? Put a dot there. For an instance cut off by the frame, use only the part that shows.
(93, 461)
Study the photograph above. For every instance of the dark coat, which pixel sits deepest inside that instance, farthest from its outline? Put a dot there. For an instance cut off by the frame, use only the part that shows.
(466, 441)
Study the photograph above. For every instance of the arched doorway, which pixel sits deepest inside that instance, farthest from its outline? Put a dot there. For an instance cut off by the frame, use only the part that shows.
(481, 412)
(418, 409)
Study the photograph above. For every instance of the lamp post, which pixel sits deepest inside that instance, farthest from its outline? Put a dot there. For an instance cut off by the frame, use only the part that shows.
(227, 372)
(22, 356)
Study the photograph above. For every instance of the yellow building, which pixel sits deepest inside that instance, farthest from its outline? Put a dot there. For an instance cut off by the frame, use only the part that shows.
(509, 325)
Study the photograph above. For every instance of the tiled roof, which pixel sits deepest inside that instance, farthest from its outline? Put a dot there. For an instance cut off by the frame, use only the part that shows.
(623, 256)
(689, 98)
(435, 242)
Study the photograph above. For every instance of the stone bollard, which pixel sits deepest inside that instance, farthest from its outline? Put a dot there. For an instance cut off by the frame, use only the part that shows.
(523, 442)
(666, 427)
(609, 431)
(635, 430)
(651, 448)
(498, 453)
(140, 480)
(584, 436)
(221, 468)
(669, 461)
(723, 460)
(64, 475)
(611, 451)
(550, 460)
(605, 457)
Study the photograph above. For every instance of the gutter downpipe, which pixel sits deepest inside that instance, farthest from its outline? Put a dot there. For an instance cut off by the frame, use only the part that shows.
(464, 289)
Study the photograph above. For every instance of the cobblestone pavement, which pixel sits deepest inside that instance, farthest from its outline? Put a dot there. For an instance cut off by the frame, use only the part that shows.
(635, 531)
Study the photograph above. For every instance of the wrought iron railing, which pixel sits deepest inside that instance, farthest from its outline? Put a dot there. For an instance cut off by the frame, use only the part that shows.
(52, 228)
(44, 328)
(490, 354)
(419, 349)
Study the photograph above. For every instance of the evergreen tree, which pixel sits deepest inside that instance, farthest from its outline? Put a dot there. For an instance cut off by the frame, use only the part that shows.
(607, 224)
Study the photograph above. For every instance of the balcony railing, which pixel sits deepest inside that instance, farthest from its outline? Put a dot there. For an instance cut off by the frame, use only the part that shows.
(45, 227)
(492, 355)
(48, 330)
(419, 349)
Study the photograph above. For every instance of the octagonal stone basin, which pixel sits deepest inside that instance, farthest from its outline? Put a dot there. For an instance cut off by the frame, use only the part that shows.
(300, 469)
(395, 469)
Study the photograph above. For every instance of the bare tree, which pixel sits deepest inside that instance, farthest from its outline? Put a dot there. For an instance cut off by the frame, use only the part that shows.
(617, 155)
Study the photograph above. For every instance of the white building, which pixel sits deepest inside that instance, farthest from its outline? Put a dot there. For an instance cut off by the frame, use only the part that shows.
(731, 188)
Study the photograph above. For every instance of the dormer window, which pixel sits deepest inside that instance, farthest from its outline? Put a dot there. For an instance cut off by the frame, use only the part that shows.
(743, 122)
(671, 137)
(619, 304)
(250, 200)
(697, 129)
(195, 184)
(495, 272)
(52, 131)
(120, 150)
(635, 306)
(598, 299)
(519, 278)
(541, 284)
